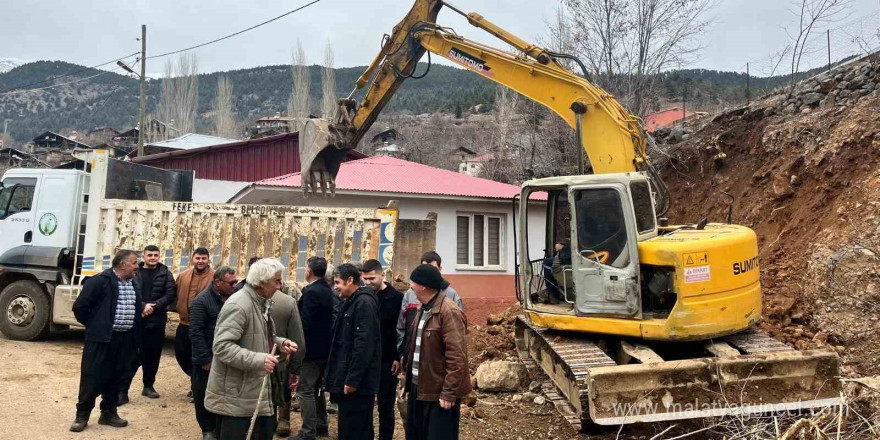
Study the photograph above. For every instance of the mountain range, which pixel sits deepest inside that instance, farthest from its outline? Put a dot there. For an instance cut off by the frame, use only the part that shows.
(84, 99)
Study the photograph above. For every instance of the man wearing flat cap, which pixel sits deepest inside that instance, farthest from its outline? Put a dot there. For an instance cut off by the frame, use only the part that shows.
(436, 362)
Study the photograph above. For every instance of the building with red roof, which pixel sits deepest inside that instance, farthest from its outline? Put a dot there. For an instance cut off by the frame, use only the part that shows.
(474, 219)
(665, 118)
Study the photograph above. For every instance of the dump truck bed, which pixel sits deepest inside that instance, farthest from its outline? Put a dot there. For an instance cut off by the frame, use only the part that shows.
(745, 373)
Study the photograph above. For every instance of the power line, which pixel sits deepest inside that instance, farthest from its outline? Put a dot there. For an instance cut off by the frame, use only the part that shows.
(16, 88)
(236, 33)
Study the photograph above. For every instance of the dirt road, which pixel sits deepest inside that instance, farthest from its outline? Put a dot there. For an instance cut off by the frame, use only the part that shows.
(39, 382)
(38, 389)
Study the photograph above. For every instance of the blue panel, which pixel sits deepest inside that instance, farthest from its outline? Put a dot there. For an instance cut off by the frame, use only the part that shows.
(169, 257)
(301, 259)
(322, 245)
(356, 246)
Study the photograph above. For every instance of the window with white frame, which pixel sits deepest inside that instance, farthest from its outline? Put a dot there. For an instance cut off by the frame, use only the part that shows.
(480, 241)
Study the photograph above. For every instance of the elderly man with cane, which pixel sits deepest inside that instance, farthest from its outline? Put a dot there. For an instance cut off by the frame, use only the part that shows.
(244, 347)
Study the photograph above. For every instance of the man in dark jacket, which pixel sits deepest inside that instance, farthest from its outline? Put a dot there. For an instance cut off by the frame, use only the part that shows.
(353, 365)
(157, 293)
(316, 311)
(552, 265)
(436, 365)
(203, 313)
(109, 307)
(389, 309)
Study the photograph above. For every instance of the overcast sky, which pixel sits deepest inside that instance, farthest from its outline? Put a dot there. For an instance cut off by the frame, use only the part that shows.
(88, 32)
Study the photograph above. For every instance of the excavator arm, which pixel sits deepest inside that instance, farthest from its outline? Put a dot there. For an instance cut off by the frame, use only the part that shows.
(611, 137)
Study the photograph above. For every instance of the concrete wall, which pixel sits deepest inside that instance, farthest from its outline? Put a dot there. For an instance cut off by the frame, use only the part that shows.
(483, 291)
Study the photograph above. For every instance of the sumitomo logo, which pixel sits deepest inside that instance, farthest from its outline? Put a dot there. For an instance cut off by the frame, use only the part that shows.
(469, 61)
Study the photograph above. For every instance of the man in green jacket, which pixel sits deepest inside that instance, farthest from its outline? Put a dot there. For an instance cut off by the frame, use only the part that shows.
(243, 342)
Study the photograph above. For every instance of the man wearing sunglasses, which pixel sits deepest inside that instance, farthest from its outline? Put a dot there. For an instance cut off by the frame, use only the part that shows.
(203, 313)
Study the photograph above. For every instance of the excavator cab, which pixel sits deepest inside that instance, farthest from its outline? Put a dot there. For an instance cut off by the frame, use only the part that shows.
(591, 227)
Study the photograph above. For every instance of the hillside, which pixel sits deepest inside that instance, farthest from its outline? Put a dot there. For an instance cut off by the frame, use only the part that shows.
(110, 99)
(805, 175)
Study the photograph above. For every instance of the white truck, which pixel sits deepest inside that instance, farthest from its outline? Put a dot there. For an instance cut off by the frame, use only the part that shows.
(60, 226)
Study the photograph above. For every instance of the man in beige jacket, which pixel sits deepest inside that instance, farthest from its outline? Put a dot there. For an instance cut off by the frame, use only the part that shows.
(243, 342)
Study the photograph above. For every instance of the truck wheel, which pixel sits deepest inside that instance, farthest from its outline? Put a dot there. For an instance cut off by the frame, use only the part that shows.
(24, 311)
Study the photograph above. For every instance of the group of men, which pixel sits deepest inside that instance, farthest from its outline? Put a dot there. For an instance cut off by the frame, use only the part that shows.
(247, 346)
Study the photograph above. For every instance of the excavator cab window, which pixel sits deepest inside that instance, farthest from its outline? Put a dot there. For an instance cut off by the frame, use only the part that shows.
(601, 227)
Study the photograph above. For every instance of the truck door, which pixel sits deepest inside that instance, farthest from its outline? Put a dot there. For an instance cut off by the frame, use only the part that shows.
(16, 216)
(604, 254)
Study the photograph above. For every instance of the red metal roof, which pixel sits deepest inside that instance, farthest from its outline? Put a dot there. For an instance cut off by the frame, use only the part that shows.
(389, 174)
(665, 117)
(243, 161)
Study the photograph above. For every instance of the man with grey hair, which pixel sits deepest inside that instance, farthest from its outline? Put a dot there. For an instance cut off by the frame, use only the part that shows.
(110, 308)
(203, 313)
(244, 342)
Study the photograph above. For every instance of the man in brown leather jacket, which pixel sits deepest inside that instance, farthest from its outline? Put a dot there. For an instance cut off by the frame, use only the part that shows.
(436, 363)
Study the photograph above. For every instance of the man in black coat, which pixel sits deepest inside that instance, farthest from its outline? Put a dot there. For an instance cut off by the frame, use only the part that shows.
(389, 309)
(203, 313)
(353, 365)
(158, 291)
(109, 307)
(316, 311)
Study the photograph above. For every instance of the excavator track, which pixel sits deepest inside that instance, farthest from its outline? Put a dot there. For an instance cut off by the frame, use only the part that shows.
(750, 371)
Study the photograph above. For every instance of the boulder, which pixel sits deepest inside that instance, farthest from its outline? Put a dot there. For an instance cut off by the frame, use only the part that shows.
(495, 319)
(501, 376)
(811, 99)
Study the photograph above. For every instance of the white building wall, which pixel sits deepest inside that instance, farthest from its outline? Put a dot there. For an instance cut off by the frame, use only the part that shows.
(418, 208)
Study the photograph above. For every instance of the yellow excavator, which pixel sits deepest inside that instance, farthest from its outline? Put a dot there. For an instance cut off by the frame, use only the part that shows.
(642, 321)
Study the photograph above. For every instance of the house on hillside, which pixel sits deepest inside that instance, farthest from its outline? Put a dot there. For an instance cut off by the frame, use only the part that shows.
(473, 166)
(225, 167)
(670, 117)
(474, 219)
(271, 125)
(12, 158)
(53, 148)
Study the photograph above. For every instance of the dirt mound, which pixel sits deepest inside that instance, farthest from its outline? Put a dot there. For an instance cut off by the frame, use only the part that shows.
(495, 340)
(804, 173)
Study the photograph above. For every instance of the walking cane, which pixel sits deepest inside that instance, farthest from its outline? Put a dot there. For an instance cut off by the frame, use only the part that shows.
(260, 398)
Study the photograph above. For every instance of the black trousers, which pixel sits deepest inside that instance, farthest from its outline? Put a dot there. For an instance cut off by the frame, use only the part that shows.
(199, 382)
(385, 402)
(150, 353)
(355, 417)
(236, 428)
(183, 349)
(429, 421)
(104, 371)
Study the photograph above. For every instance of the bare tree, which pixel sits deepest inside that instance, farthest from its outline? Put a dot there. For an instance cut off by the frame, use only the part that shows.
(810, 14)
(298, 106)
(626, 43)
(328, 85)
(180, 93)
(224, 116)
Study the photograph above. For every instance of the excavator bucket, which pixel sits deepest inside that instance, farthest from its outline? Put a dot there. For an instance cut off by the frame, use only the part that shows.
(321, 151)
(712, 387)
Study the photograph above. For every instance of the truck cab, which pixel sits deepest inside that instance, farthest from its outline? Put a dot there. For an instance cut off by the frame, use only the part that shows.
(38, 225)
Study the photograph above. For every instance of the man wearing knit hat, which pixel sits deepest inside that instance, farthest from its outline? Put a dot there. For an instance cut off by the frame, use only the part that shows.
(436, 362)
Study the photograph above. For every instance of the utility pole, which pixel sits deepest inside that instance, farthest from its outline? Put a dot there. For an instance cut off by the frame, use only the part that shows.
(748, 93)
(141, 125)
(828, 36)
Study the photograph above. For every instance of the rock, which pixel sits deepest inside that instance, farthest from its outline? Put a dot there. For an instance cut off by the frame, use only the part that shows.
(495, 319)
(840, 349)
(811, 99)
(501, 376)
(782, 188)
(802, 345)
(494, 330)
(843, 85)
(516, 397)
(794, 180)
(820, 337)
(534, 386)
(790, 109)
(826, 85)
(540, 400)
(858, 82)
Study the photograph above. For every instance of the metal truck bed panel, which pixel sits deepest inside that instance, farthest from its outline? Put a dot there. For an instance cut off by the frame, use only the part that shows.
(234, 233)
